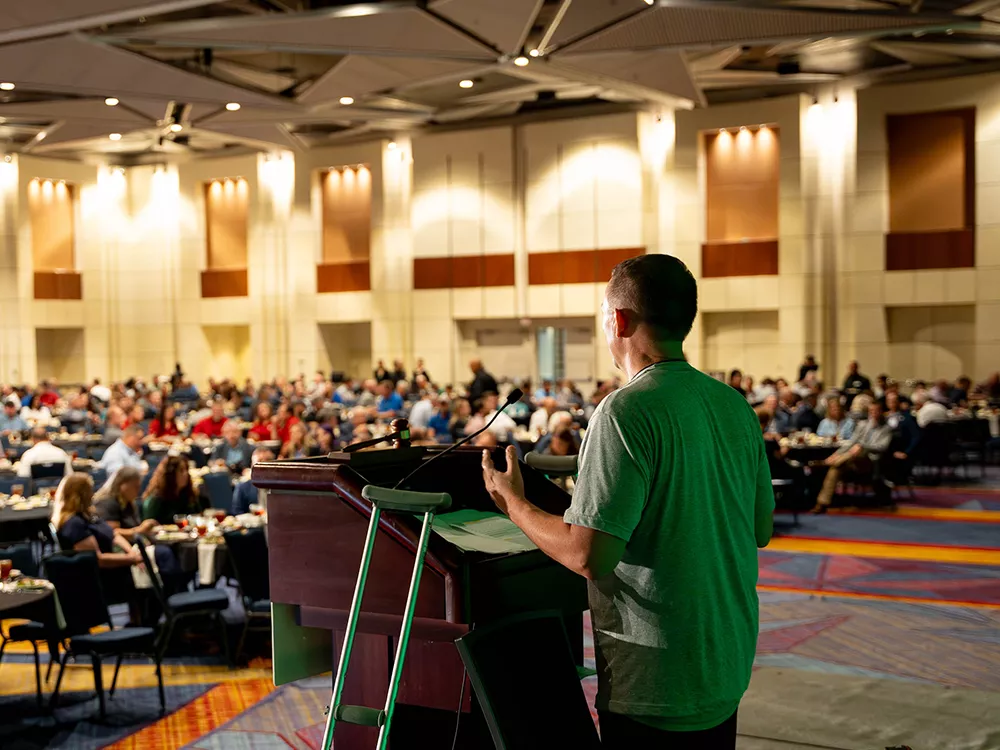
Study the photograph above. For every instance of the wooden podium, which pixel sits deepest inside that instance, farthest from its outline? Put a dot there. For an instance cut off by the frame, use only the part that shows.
(317, 521)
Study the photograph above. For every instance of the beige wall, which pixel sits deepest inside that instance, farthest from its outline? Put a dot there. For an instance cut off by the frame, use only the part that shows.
(621, 180)
(345, 347)
(60, 354)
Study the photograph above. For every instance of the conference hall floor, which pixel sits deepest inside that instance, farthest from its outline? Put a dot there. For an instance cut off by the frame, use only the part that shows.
(877, 629)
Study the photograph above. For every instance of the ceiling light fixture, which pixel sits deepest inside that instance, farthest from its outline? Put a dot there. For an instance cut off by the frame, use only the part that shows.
(176, 127)
(347, 100)
(466, 83)
(649, 2)
(743, 128)
(7, 86)
(534, 52)
(520, 61)
(115, 136)
(8, 158)
(111, 101)
(391, 146)
(722, 130)
(233, 106)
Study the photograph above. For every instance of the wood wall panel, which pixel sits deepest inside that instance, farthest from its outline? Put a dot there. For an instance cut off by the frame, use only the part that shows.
(228, 282)
(931, 171)
(58, 285)
(720, 259)
(343, 277)
(347, 214)
(908, 251)
(463, 271)
(577, 266)
(226, 210)
(51, 215)
(741, 192)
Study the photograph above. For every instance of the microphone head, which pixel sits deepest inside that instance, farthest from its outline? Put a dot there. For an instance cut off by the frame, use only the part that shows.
(514, 396)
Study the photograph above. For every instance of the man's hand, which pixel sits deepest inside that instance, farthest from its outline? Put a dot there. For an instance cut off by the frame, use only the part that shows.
(900, 455)
(503, 486)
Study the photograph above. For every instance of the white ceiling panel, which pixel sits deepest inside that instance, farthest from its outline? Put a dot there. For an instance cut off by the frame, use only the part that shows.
(358, 75)
(503, 24)
(664, 71)
(80, 109)
(69, 131)
(78, 66)
(585, 16)
(61, 16)
(392, 32)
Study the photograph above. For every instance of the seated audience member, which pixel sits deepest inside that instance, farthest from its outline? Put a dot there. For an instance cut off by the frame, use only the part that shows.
(503, 424)
(233, 452)
(520, 410)
(344, 394)
(185, 391)
(79, 528)
(164, 427)
(114, 423)
(10, 420)
(562, 443)
(539, 423)
(152, 404)
(369, 394)
(263, 425)
(805, 418)
(245, 494)
(49, 396)
(421, 412)
(136, 415)
(959, 395)
(461, 413)
(919, 391)
(77, 414)
(905, 430)
(170, 492)
(544, 391)
(115, 503)
(928, 411)
(283, 421)
(100, 392)
(487, 439)
(212, 425)
(855, 383)
(748, 387)
(440, 420)
(569, 395)
(836, 424)
(323, 442)
(35, 410)
(989, 388)
(381, 372)
(125, 451)
(807, 385)
(389, 403)
(420, 371)
(736, 381)
(43, 452)
(398, 372)
(808, 366)
(859, 407)
(559, 422)
(299, 442)
(870, 440)
(940, 393)
(881, 386)
(781, 420)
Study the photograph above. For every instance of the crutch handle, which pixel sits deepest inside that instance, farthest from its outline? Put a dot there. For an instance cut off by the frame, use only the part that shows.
(360, 715)
(406, 501)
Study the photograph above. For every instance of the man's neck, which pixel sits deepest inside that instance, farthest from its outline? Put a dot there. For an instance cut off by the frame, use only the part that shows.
(640, 359)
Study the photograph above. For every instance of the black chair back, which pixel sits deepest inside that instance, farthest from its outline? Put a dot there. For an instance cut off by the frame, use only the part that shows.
(937, 440)
(8, 483)
(549, 709)
(248, 554)
(54, 470)
(78, 584)
(22, 557)
(219, 485)
(154, 576)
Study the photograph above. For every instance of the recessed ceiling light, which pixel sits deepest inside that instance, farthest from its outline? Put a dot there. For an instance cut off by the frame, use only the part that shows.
(176, 127)
(347, 100)
(534, 52)
(111, 101)
(466, 83)
(115, 136)
(6, 86)
(233, 106)
(649, 2)
(521, 61)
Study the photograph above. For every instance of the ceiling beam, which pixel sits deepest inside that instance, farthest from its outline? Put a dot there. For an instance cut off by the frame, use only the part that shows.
(100, 19)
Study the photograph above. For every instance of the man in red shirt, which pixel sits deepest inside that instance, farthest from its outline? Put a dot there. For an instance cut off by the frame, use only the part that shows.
(49, 397)
(211, 426)
(283, 422)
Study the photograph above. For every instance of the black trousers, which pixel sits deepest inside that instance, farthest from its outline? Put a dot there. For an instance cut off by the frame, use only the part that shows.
(620, 732)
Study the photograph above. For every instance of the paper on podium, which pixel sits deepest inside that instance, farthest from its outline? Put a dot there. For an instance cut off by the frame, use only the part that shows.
(480, 531)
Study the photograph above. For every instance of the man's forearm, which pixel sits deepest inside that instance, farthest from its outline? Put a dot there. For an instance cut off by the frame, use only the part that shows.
(550, 533)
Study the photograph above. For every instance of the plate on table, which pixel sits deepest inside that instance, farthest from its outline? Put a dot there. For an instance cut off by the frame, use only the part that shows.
(32, 584)
(172, 536)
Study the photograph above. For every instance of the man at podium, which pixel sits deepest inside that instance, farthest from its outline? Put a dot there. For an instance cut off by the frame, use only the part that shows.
(673, 498)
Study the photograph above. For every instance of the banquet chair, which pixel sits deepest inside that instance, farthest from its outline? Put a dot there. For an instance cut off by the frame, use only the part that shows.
(48, 474)
(96, 452)
(75, 576)
(208, 602)
(248, 556)
(4, 445)
(31, 631)
(219, 485)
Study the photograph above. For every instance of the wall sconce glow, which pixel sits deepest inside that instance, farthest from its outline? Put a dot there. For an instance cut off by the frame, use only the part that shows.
(7, 158)
(347, 100)
(722, 131)
(233, 106)
(534, 52)
(392, 146)
(6, 86)
(115, 136)
(176, 127)
(649, 2)
(466, 83)
(743, 128)
(520, 61)
(111, 101)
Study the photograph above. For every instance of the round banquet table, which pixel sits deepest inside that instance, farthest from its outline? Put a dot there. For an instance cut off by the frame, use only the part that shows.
(22, 525)
(39, 606)
(186, 552)
(808, 453)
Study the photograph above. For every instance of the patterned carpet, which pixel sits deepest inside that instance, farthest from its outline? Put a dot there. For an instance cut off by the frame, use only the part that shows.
(852, 601)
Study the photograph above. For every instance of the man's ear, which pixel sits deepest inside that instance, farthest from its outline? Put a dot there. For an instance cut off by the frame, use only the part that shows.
(621, 323)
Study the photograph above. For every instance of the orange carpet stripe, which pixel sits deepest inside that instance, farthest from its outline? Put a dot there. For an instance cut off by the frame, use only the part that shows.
(880, 597)
(930, 514)
(886, 550)
(199, 717)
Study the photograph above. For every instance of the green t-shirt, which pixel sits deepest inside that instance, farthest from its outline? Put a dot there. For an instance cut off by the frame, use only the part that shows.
(674, 464)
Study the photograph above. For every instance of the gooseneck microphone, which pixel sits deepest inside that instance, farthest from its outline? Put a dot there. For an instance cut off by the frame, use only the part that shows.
(512, 398)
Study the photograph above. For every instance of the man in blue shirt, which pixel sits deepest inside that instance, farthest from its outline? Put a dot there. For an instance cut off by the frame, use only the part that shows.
(389, 403)
(125, 451)
(233, 452)
(10, 420)
(245, 493)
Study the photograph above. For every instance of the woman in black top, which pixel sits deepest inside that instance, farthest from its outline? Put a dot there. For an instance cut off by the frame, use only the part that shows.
(115, 503)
